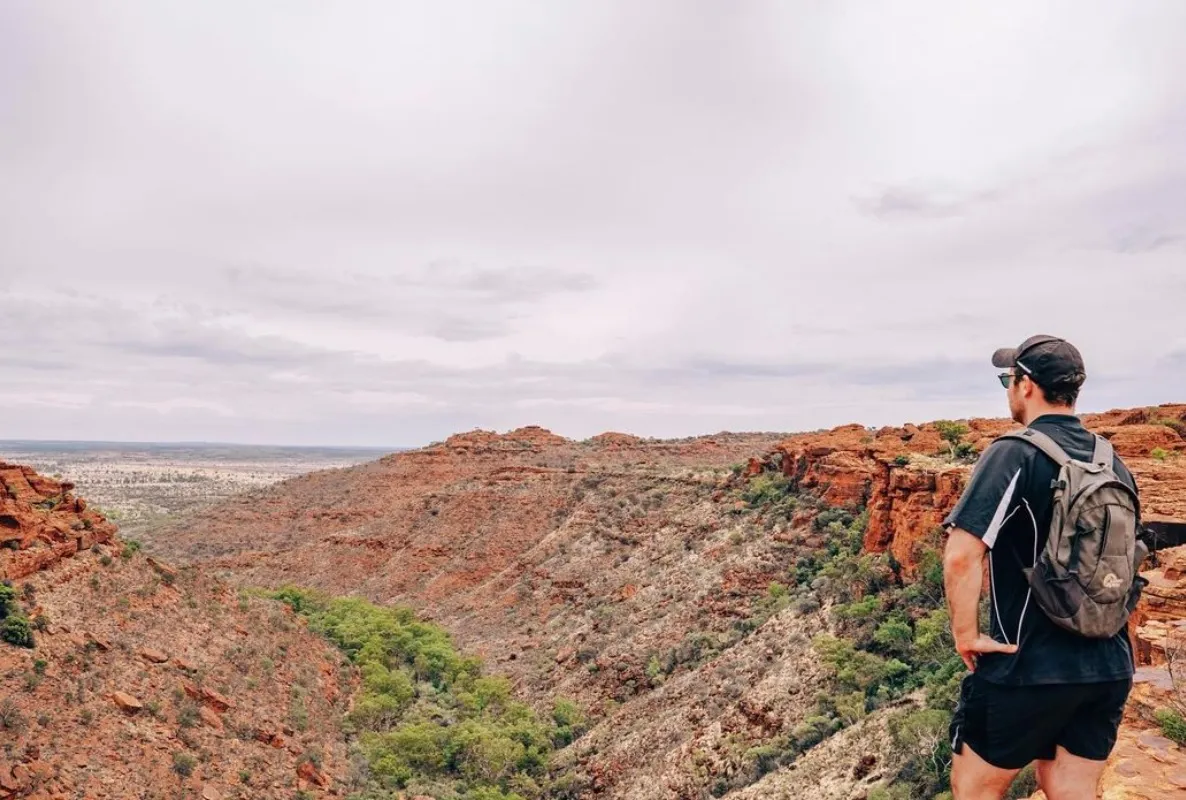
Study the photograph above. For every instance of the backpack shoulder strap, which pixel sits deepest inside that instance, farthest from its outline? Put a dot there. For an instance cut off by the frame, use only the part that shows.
(1043, 443)
(1103, 454)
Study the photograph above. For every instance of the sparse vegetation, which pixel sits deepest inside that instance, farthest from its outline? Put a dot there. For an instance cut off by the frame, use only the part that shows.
(1173, 724)
(183, 764)
(1159, 453)
(7, 599)
(953, 433)
(15, 627)
(11, 718)
(187, 715)
(427, 714)
(891, 637)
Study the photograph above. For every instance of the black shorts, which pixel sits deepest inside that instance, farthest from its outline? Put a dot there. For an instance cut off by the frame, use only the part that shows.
(1010, 726)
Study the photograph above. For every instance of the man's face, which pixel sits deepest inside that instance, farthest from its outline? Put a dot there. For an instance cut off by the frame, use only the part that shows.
(1016, 399)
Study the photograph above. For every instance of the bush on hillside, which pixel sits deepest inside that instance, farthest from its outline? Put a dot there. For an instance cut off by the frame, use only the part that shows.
(891, 636)
(15, 627)
(7, 599)
(426, 715)
(1173, 724)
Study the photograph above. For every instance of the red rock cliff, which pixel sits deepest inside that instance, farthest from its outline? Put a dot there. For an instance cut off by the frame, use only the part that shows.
(907, 481)
(42, 522)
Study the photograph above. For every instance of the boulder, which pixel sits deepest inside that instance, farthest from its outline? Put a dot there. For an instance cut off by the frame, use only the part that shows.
(126, 702)
(155, 656)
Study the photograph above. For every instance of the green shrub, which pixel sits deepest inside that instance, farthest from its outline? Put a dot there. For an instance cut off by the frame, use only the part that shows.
(426, 714)
(892, 637)
(570, 720)
(187, 715)
(766, 488)
(898, 791)
(183, 764)
(895, 636)
(965, 451)
(902, 460)
(7, 599)
(16, 630)
(1159, 453)
(1173, 724)
(11, 718)
(951, 432)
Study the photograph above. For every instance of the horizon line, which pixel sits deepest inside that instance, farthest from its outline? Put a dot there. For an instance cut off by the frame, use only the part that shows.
(191, 443)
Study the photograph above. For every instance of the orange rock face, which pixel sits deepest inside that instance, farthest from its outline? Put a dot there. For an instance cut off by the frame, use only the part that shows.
(909, 483)
(42, 522)
(93, 711)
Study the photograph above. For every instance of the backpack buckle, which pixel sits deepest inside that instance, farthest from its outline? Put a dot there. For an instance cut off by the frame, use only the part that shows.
(1058, 484)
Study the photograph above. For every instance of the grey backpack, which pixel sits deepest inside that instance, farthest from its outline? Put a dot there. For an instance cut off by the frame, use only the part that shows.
(1087, 577)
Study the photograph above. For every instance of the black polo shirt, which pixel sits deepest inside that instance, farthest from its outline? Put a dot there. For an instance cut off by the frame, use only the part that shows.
(1008, 504)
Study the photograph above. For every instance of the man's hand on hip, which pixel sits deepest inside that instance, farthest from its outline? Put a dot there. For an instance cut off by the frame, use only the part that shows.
(969, 651)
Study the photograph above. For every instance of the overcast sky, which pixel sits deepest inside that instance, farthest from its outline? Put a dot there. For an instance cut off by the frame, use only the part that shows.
(380, 223)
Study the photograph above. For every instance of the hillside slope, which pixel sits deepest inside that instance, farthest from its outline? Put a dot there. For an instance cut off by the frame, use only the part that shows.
(634, 576)
(145, 681)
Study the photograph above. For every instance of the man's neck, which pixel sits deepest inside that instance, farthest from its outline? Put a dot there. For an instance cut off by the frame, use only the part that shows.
(1049, 410)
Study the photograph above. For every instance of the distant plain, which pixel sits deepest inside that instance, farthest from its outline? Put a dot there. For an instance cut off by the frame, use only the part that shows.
(140, 485)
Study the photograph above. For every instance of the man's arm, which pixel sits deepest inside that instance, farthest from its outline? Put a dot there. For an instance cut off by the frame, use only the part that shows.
(963, 579)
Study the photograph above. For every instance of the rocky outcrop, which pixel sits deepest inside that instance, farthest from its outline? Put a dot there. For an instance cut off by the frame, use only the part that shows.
(909, 481)
(42, 522)
(97, 709)
(1159, 623)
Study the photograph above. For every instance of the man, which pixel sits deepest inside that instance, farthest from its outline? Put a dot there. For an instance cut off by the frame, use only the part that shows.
(1036, 692)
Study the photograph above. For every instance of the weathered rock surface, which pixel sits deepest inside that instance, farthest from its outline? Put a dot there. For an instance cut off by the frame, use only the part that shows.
(42, 522)
(95, 709)
(909, 486)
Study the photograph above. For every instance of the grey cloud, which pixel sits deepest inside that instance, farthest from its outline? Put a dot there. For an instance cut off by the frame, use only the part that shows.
(216, 348)
(461, 329)
(722, 369)
(508, 285)
(1143, 240)
(447, 300)
(903, 203)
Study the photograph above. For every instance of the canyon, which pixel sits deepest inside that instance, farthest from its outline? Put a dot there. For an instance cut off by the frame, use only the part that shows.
(633, 576)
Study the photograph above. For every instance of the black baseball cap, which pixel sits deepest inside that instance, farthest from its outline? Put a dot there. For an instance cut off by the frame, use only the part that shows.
(1048, 360)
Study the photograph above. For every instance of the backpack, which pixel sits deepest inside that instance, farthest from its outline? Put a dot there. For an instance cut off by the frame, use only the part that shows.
(1087, 577)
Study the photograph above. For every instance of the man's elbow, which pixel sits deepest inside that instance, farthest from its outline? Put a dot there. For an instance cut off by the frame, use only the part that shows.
(963, 552)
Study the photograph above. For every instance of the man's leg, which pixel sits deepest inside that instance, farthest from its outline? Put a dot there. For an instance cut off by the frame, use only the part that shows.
(1085, 743)
(973, 778)
(1069, 777)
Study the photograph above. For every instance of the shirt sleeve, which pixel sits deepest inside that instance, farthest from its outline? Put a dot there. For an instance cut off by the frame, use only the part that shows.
(994, 491)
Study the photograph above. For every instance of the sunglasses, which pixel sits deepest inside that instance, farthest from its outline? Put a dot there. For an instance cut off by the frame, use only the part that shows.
(1006, 378)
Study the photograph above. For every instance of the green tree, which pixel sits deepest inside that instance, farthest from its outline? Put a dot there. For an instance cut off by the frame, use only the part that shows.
(16, 630)
(895, 636)
(952, 433)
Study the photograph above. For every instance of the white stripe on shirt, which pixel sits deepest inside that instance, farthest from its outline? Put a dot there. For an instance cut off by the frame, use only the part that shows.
(998, 519)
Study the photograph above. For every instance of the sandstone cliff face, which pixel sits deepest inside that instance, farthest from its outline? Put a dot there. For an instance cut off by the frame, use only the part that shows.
(43, 522)
(853, 465)
(148, 681)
